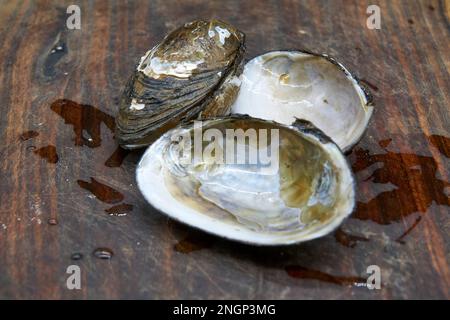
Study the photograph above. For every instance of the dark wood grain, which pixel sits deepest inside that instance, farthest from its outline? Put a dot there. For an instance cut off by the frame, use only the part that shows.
(68, 98)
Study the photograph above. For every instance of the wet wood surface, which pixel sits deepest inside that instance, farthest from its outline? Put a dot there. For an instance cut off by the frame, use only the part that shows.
(68, 196)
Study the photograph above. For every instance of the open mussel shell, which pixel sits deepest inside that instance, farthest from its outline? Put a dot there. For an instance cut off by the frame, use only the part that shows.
(286, 85)
(193, 72)
(304, 192)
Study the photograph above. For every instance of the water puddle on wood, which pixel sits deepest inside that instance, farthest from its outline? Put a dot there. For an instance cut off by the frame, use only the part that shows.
(85, 119)
(119, 210)
(48, 153)
(55, 54)
(116, 159)
(403, 183)
(441, 143)
(101, 191)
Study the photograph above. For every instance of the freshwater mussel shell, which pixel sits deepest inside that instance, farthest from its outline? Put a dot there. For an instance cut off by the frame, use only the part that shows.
(308, 195)
(193, 71)
(290, 84)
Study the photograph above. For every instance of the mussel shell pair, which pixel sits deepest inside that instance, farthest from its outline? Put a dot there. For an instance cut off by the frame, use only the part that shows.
(319, 108)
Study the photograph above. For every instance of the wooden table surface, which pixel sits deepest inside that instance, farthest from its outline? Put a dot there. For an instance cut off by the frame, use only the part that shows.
(68, 195)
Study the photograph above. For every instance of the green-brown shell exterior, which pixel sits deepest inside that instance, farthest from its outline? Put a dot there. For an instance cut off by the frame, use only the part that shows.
(192, 71)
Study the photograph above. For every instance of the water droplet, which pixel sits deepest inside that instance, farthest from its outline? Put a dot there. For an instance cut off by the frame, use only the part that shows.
(27, 135)
(102, 191)
(103, 253)
(76, 256)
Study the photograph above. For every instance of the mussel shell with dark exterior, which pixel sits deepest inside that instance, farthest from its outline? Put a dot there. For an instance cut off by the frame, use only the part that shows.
(193, 72)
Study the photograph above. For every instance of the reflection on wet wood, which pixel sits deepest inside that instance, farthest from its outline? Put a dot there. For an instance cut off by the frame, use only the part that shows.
(65, 85)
